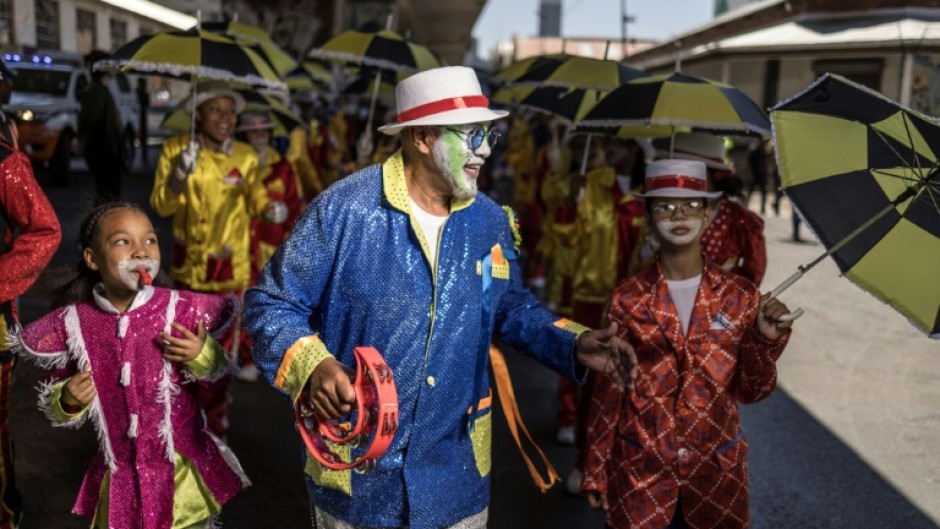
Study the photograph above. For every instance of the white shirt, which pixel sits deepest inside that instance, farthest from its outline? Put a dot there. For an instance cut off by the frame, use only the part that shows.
(430, 225)
(683, 294)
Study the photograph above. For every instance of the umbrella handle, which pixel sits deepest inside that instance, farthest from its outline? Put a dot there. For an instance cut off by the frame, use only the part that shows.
(792, 316)
(787, 283)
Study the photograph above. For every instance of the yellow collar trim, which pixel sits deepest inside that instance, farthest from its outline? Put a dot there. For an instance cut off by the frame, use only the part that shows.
(396, 189)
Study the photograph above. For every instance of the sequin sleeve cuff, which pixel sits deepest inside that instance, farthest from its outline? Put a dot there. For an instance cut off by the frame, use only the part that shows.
(299, 362)
(50, 402)
(212, 362)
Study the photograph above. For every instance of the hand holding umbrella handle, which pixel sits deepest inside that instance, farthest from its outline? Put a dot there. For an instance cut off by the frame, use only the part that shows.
(787, 283)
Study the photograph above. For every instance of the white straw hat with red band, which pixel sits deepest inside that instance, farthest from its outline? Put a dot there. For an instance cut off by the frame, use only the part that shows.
(677, 179)
(700, 146)
(441, 96)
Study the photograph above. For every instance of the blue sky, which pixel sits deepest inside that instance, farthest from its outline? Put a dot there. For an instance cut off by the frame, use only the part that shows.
(656, 19)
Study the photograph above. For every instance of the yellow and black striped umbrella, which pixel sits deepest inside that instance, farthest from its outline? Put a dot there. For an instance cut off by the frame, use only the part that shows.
(865, 173)
(382, 49)
(319, 71)
(578, 72)
(679, 100)
(259, 40)
(195, 53)
(514, 71)
(568, 104)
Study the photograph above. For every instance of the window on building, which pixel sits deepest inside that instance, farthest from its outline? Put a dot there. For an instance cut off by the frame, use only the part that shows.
(85, 31)
(47, 24)
(6, 22)
(118, 33)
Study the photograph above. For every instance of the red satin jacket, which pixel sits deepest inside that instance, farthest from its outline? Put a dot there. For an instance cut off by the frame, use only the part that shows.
(678, 435)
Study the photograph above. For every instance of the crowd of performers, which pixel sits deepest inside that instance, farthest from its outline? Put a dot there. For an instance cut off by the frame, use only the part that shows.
(143, 361)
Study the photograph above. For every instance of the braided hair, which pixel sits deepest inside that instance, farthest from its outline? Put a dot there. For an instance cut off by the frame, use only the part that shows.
(69, 284)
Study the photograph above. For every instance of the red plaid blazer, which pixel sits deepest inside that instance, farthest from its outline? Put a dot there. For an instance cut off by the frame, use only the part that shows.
(678, 436)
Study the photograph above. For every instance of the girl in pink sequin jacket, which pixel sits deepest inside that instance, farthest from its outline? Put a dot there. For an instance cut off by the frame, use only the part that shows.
(129, 356)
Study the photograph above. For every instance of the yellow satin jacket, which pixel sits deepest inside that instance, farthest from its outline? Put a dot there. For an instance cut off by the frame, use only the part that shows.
(596, 235)
(211, 215)
(557, 245)
(299, 158)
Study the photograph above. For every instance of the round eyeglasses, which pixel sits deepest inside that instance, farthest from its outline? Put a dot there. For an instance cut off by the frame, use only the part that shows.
(476, 135)
(688, 208)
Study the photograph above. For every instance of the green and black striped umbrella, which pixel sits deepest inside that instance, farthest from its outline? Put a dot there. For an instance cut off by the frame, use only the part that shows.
(679, 100)
(383, 49)
(193, 53)
(865, 173)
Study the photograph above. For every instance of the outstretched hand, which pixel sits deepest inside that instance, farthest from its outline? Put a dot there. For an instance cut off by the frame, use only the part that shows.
(331, 389)
(605, 352)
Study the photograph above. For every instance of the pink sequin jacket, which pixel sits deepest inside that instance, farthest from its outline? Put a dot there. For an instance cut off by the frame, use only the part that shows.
(146, 409)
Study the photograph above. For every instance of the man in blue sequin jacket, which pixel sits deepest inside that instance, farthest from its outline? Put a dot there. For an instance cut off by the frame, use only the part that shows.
(407, 257)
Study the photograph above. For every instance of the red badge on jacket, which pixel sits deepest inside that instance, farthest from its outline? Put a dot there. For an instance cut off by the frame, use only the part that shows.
(233, 177)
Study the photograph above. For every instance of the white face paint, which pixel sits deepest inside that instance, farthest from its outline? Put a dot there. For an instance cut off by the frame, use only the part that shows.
(458, 164)
(127, 270)
(679, 232)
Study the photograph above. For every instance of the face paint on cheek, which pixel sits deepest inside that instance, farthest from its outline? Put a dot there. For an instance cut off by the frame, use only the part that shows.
(450, 153)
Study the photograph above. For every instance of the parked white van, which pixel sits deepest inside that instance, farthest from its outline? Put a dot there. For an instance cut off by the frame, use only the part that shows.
(45, 105)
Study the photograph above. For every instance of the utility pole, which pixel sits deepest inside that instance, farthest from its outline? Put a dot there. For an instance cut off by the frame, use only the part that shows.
(624, 20)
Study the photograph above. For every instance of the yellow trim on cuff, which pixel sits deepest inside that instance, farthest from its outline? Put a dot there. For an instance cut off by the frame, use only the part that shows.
(299, 362)
(211, 360)
(55, 404)
(571, 326)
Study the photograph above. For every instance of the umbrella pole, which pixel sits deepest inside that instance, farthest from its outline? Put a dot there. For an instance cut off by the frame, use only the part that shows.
(375, 96)
(378, 79)
(584, 157)
(192, 88)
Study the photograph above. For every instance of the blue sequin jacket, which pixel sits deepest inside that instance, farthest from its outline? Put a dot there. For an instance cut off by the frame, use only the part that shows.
(355, 271)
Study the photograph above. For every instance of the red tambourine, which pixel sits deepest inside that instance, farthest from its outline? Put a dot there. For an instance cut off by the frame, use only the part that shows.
(376, 417)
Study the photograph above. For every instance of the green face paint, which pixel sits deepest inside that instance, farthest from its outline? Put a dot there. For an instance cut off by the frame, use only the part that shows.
(451, 153)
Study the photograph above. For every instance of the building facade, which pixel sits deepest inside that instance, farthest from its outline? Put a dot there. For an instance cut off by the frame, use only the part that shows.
(774, 48)
(80, 26)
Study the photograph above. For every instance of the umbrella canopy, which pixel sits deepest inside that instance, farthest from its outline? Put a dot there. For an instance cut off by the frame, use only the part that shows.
(865, 173)
(680, 100)
(568, 104)
(283, 118)
(514, 71)
(383, 49)
(319, 71)
(579, 72)
(258, 39)
(193, 53)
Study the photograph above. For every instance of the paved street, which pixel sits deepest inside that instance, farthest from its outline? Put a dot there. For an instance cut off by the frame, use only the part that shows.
(849, 440)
